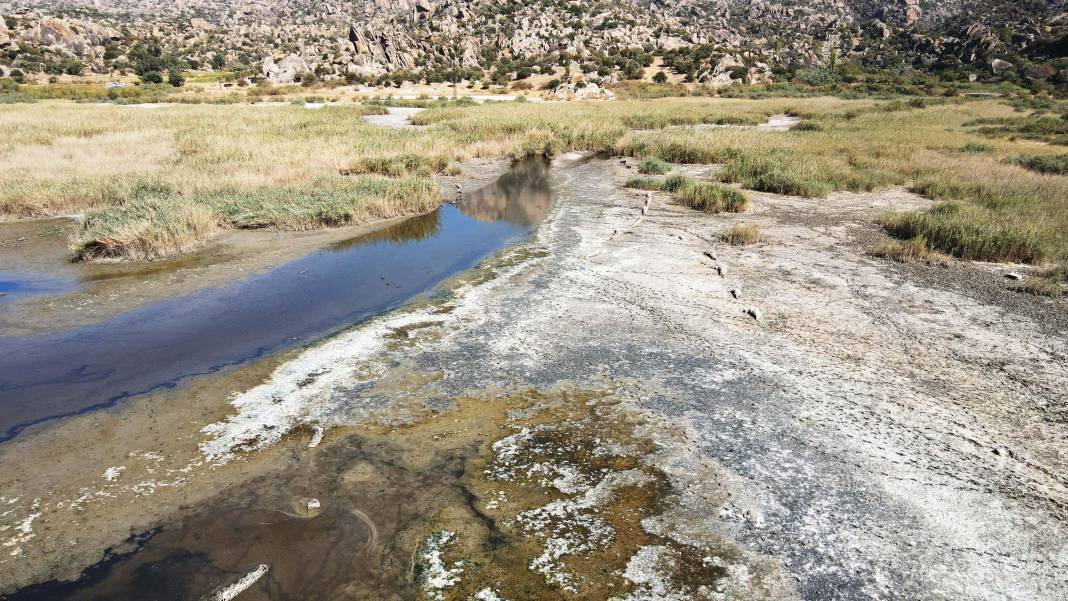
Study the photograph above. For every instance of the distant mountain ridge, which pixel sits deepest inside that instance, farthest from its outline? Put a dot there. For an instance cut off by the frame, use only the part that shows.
(285, 40)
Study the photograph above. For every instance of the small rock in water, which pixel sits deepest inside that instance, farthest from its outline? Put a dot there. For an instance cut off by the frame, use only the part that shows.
(1012, 275)
(754, 313)
(720, 270)
(710, 255)
(734, 293)
(312, 505)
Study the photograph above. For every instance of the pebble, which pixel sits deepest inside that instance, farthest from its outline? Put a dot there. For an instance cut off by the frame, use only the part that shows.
(312, 504)
(1012, 275)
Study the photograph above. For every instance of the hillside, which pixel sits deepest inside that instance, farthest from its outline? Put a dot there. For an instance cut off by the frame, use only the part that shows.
(716, 42)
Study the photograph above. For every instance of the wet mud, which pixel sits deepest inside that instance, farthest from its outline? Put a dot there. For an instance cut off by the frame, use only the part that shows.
(541, 495)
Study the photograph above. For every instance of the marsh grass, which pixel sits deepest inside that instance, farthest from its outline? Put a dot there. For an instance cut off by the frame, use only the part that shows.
(645, 183)
(972, 232)
(281, 166)
(1045, 128)
(1053, 164)
(741, 234)
(157, 183)
(152, 225)
(652, 165)
(701, 196)
(712, 198)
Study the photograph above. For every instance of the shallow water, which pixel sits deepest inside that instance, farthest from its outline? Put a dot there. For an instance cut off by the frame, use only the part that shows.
(50, 376)
(14, 285)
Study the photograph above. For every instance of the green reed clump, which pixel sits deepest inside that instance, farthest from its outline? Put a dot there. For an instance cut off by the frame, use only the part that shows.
(653, 165)
(972, 232)
(712, 198)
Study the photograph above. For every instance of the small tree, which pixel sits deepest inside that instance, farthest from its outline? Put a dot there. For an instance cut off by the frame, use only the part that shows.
(660, 77)
(152, 77)
(175, 78)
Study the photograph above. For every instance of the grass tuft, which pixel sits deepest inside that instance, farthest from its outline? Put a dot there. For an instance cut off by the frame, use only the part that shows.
(149, 227)
(712, 198)
(652, 165)
(742, 234)
(646, 183)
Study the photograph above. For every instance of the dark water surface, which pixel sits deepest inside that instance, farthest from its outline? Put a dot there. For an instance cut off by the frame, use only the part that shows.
(57, 375)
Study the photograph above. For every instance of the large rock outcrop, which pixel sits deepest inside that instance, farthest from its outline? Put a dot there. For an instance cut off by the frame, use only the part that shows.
(290, 69)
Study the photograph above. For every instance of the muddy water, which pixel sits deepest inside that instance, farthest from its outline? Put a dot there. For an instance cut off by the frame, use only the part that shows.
(50, 376)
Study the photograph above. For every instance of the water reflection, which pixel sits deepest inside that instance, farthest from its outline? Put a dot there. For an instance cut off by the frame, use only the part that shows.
(409, 230)
(522, 196)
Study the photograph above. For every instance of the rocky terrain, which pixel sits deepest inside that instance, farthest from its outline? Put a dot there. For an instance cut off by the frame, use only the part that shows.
(718, 42)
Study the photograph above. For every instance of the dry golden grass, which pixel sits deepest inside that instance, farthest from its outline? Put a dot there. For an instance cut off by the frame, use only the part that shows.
(280, 166)
(741, 234)
(157, 182)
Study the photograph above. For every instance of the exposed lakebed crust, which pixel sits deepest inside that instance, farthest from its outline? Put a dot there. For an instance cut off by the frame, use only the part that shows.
(855, 438)
(107, 289)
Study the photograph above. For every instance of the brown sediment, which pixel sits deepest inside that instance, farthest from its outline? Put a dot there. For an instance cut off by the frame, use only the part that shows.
(382, 489)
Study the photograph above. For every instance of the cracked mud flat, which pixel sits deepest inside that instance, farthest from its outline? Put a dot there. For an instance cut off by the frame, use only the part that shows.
(594, 415)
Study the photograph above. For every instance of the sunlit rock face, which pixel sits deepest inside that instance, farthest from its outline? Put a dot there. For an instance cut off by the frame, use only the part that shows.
(373, 37)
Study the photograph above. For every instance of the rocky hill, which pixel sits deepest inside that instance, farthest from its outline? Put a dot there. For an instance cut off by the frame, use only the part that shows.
(716, 42)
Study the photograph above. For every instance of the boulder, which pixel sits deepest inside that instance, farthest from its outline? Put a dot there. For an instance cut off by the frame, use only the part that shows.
(881, 29)
(5, 35)
(913, 12)
(289, 70)
(269, 69)
(591, 91)
(999, 66)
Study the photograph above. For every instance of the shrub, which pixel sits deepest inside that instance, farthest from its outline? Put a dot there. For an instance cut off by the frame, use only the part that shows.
(660, 77)
(976, 148)
(175, 78)
(152, 77)
(652, 165)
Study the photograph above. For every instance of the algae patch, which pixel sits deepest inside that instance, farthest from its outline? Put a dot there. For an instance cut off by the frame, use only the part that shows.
(568, 491)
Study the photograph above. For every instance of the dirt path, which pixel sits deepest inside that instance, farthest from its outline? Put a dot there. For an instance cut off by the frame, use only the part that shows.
(876, 432)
